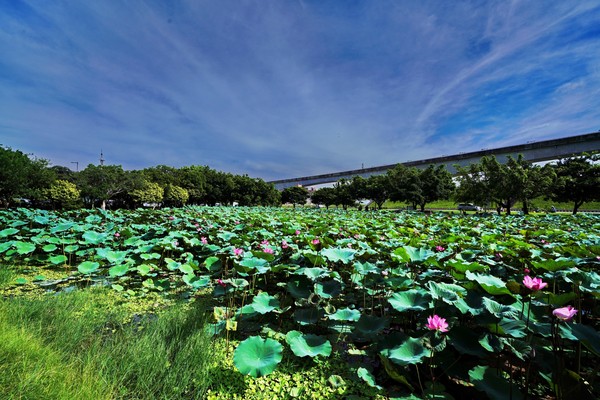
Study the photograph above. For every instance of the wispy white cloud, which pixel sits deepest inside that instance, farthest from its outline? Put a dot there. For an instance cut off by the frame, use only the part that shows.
(283, 89)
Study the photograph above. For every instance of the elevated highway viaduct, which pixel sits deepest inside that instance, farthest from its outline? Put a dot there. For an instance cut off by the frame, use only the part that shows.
(544, 150)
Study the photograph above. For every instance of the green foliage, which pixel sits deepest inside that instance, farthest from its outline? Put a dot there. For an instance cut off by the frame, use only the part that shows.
(175, 196)
(63, 194)
(149, 192)
(257, 357)
(577, 180)
(294, 195)
(22, 176)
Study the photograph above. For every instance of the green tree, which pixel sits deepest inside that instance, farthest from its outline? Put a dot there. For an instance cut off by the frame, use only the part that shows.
(193, 179)
(343, 196)
(324, 196)
(405, 185)
(147, 192)
(436, 184)
(294, 195)
(577, 180)
(100, 183)
(62, 194)
(22, 176)
(175, 196)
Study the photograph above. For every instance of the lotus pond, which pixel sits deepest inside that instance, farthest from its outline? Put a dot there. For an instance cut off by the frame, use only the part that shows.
(343, 304)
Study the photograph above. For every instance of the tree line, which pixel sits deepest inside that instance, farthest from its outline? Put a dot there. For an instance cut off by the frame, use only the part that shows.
(26, 180)
(488, 183)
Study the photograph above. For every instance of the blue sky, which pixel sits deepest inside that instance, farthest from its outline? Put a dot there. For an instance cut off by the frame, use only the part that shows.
(281, 88)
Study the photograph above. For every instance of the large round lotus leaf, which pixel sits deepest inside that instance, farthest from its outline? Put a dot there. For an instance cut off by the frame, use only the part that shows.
(196, 282)
(308, 345)
(6, 245)
(495, 386)
(345, 314)
(308, 316)
(314, 273)
(88, 267)
(144, 269)
(371, 325)
(186, 269)
(411, 351)
(49, 248)
(335, 254)
(366, 376)
(257, 357)
(24, 247)
(264, 303)
(447, 292)
(62, 227)
(328, 289)
(259, 264)
(92, 237)
(115, 257)
(299, 287)
(365, 268)
(416, 299)
(57, 259)
(7, 232)
(555, 265)
(412, 254)
(118, 270)
(489, 283)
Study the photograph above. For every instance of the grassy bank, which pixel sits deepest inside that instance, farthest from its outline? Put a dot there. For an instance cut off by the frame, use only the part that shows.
(89, 345)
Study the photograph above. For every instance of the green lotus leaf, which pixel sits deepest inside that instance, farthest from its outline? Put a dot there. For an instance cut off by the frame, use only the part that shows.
(49, 248)
(489, 283)
(366, 376)
(299, 287)
(64, 226)
(144, 269)
(171, 264)
(92, 237)
(328, 289)
(24, 247)
(88, 267)
(588, 336)
(554, 265)
(117, 287)
(71, 248)
(57, 259)
(186, 269)
(462, 266)
(337, 254)
(259, 264)
(150, 256)
(466, 341)
(511, 327)
(196, 282)
(447, 292)
(345, 314)
(115, 257)
(314, 258)
(411, 351)
(308, 316)
(8, 232)
(499, 310)
(559, 300)
(308, 345)
(264, 303)
(336, 381)
(213, 264)
(257, 357)
(415, 299)
(492, 343)
(486, 380)
(371, 325)
(412, 254)
(21, 281)
(6, 245)
(118, 270)
(314, 273)
(365, 268)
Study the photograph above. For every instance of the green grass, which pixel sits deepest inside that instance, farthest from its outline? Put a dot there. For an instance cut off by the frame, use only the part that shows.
(538, 203)
(84, 345)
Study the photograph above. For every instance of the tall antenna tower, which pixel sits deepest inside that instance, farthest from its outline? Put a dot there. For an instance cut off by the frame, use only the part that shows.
(101, 158)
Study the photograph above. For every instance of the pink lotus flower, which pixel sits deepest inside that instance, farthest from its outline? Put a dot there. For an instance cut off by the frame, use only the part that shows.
(267, 250)
(565, 313)
(435, 323)
(220, 282)
(534, 283)
(384, 272)
(297, 232)
(203, 240)
(284, 244)
(117, 235)
(526, 271)
(238, 252)
(316, 241)
(171, 218)
(439, 248)
(265, 242)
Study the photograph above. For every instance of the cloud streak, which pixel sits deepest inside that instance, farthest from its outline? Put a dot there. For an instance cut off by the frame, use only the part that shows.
(284, 89)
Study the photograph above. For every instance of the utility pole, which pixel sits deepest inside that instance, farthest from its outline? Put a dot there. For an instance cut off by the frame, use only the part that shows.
(76, 165)
(101, 158)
